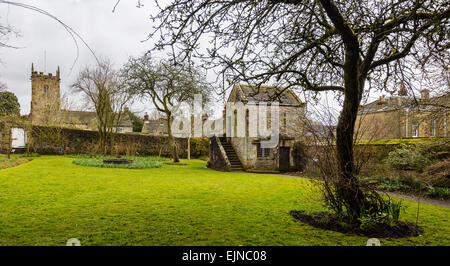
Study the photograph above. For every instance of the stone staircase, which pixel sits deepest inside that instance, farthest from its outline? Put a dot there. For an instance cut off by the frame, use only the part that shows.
(236, 164)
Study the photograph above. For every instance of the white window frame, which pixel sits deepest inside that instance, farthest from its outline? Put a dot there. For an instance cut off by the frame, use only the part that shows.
(433, 127)
(415, 130)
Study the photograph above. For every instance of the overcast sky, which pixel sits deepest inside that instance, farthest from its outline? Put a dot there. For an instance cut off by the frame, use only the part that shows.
(48, 45)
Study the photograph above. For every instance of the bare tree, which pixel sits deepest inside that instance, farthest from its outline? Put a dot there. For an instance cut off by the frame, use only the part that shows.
(348, 47)
(103, 90)
(166, 85)
(5, 32)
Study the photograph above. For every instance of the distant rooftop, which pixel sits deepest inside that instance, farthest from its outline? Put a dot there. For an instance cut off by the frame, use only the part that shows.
(384, 104)
(263, 93)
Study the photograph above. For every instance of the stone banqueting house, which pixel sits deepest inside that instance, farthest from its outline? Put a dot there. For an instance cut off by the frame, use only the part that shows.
(46, 107)
(246, 153)
(403, 116)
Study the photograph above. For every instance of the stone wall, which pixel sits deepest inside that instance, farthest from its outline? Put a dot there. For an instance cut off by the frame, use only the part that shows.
(370, 157)
(217, 156)
(47, 140)
(291, 124)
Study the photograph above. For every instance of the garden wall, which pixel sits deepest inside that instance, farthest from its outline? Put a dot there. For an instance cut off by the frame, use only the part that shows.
(47, 140)
(371, 161)
(369, 156)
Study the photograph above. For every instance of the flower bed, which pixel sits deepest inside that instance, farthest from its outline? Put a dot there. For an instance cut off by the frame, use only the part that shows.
(98, 161)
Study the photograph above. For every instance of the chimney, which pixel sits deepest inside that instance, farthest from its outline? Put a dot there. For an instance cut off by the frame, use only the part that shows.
(146, 117)
(402, 91)
(381, 100)
(425, 94)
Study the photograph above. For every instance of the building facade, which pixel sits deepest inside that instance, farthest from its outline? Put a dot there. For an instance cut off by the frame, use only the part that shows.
(246, 152)
(403, 116)
(155, 127)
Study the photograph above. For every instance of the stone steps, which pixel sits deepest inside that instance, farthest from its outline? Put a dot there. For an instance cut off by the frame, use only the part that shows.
(236, 164)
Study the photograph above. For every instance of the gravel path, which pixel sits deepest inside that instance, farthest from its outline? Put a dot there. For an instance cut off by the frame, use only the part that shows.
(442, 203)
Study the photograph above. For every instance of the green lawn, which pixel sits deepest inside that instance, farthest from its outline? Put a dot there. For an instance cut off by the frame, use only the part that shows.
(49, 200)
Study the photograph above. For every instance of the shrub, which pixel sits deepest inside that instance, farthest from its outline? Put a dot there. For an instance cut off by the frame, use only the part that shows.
(438, 192)
(438, 173)
(392, 185)
(199, 147)
(31, 155)
(407, 158)
(394, 211)
(367, 222)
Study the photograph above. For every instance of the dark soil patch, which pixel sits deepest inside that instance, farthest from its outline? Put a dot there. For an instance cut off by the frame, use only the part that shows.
(329, 221)
(172, 163)
(118, 161)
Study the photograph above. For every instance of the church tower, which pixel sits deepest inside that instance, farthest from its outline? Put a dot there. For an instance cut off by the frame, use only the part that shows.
(45, 96)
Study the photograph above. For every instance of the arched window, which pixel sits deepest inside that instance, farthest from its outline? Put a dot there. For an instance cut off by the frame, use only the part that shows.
(45, 89)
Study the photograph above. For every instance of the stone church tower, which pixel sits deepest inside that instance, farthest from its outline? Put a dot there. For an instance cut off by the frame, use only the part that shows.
(45, 96)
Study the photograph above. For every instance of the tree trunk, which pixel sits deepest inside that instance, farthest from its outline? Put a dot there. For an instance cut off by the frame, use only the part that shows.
(172, 141)
(189, 148)
(348, 185)
(9, 142)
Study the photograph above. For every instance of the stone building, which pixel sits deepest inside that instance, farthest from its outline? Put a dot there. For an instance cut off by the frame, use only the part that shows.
(46, 107)
(155, 127)
(45, 96)
(233, 152)
(402, 116)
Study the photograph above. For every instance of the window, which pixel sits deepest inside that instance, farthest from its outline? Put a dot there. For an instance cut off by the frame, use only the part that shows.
(45, 89)
(266, 153)
(259, 151)
(284, 120)
(415, 130)
(432, 128)
(262, 152)
(247, 123)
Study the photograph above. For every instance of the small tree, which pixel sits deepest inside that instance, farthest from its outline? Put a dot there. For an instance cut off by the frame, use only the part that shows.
(103, 90)
(9, 105)
(166, 85)
(9, 115)
(135, 120)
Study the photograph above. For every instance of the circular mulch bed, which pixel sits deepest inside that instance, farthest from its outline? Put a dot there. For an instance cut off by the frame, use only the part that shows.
(329, 221)
(118, 161)
(172, 163)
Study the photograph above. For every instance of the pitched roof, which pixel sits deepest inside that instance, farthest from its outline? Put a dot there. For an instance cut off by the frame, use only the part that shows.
(155, 126)
(401, 102)
(263, 93)
(384, 105)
